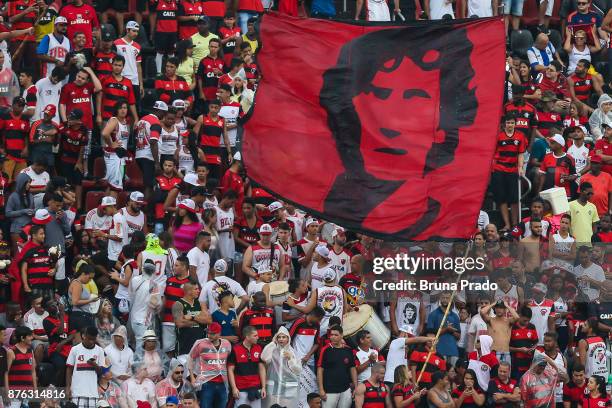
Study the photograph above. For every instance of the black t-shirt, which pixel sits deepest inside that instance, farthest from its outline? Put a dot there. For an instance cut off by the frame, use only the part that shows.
(603, 312)
(336, 363)
(87, 52)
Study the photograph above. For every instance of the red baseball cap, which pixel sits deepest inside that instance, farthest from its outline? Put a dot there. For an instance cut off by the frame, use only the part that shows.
(50, 110)
(214, 328)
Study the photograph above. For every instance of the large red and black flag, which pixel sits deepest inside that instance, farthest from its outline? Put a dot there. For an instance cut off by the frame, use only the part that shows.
(386, 130)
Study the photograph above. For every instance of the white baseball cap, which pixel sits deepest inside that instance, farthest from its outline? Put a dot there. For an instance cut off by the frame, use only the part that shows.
(323, 251)
(329, 275)
(188, 204)
(237, 156)
(179, 104)
(60, 20)
(311, 221)
(265, 229)
(137, 197)
(276, 205)
(42, 217)
(191, 178)
(220, 266)
(558, 138)
(132, 25)
(108, 201)
(337, 231)
(161, 105)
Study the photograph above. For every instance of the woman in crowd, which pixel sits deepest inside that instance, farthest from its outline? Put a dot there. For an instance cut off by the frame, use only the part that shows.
(186, 226)
(81, 298)
(403, 391)
(19, 207)
(106, 323)
(242, 94)
(469, 395)
(580, 48)
(595, 394)
(139, 387)
(186, 67)
(152, 357)
(209, 219)
(555, 293)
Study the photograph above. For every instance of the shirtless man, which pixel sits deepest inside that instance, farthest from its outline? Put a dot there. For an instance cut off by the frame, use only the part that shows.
(529, 247)
(500, 327)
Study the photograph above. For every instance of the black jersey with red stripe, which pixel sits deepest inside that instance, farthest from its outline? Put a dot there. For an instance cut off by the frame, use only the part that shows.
(522, 337)
(39, 263)
(189, 8)
(246, 365)
(210, 80)
(374, 396)
(210, 136)
(169, 90)
(525, 115)
(72, 141)
(436, 363)
(14, 130)
(20, 374)
(230, 46)
(554, 167)
(103, 64)
(173, 292)
(114, 90)
(247, 233)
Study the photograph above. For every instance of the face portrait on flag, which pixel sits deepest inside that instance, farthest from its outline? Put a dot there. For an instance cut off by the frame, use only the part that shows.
(389, 131)
(395, 115)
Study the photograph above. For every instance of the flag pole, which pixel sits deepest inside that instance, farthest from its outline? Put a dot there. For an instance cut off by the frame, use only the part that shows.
(446, 312)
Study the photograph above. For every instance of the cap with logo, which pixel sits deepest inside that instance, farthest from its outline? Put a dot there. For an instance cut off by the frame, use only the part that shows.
(179, 104)
(60, 20)
(188, 204)
(137, 197)
(539, 287)
(132, 25)
(161, 105)
(191, 178)
(265, 229)
(322, 250)
(311, 221)
(42, 217)
(237, 156)
(558, 139)
(108, 201)
(338, 231)
(329, 275)
(276, 205)
(50, 110)
(220, 266)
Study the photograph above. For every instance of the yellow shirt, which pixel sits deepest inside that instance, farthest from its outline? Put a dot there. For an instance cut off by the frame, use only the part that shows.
(45, 25)
(254, 43)
(200, 47)
(91, 287)
(186, 69)
(583, 217)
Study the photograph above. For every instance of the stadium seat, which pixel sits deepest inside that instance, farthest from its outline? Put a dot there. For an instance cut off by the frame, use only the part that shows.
(520, 42)
(147, 101)
(134, 177)
(150, 70)
(530, 16)
(93, 199)
(97, 183)
(149, 83)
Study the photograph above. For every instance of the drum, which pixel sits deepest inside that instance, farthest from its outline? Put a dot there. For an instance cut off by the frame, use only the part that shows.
(365, 319)
(279, 292)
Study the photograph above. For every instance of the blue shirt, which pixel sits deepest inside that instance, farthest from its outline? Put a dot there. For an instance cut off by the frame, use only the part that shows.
(225, 320)
(323, 8)
(577, 18)
(447, 343)
(539, 149)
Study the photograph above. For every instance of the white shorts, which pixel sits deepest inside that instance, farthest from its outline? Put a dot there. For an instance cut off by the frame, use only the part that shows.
(114, 171)
(549, 8)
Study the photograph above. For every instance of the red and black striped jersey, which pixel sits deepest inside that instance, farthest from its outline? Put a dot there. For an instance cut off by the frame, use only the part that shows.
(548, 120)
(15, 130)
(20, 373)
(51, 325)
(507, 152)
(554, 167)
(230, 46)
(16, 7)
(189, 8)
(39, 263)
(522, 337)
(210, 80)
(29, 94)
(573, 393)
(261, 320)
(112, 91)
(246, 365)
(103, 64)
(166, 11)
(405, 392)
(525, 115)
(374, 396)
(174, 291)
(252, 72)
(436, 363)
(210, 136)
(169, 90)
(247, 233)
(582, 86)
(162, 188)
(71, 142)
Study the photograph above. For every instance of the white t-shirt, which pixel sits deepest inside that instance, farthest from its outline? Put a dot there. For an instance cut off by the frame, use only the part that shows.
(168, 141)
(477, 328)
(480, 8)
(254, 287)
(120, 359)
(341, 262)
(131, 53)
(93, 221)
(35, 321)
(580, 155)
(201, 260)
(316, 275)
(47, 93)
(213, 288)
(84, 377)
(38, 180)
(594, 272)
(140, 295)
(395, 357)
(119, 228)
(230, 113)
(364, 356)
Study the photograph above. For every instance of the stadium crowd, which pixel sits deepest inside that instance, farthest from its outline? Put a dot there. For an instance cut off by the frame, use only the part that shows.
(140, 267)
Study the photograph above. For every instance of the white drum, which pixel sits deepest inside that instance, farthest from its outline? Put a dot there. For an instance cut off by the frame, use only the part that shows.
(279, 292)
(366, 319)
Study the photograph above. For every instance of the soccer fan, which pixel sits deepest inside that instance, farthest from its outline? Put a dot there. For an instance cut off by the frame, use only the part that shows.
(165, 33)
(104, 56)
(558, 169)
(230, 34)
(84, 361)
(246, 371)
(148, 131)
(583, 214)
(130, 50)
(23, 15)
(20, 365)
(54, 47)
(189, 13)
(82, 18)
(602, 185)
(47, 92)
(115, 87)
(170, 87)
(190, 317)
(14, 128)
(210, 68)
(42, 137)
(71, 162)
(336, 371)
(583, 85)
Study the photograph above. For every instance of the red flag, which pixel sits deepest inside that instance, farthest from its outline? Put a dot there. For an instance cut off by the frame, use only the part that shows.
(385, 130)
